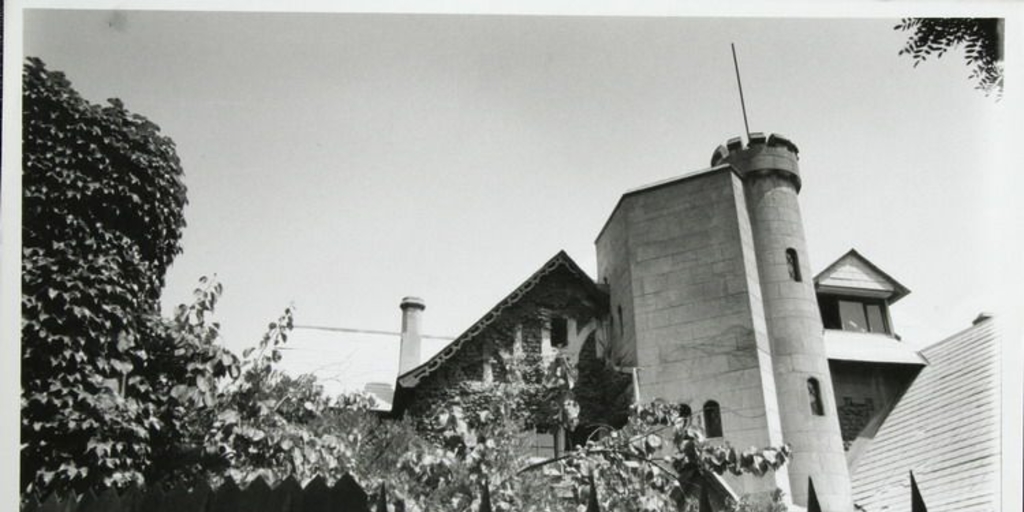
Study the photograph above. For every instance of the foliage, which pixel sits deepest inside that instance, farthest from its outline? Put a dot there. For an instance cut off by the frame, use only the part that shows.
(604, 393)
(772, 503)
(658, 461)
(183, 368)
(102, 219)
(479, 437)
(981, 38)
(273, 425)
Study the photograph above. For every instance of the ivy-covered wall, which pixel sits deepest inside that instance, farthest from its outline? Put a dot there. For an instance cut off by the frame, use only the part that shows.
(560, 293)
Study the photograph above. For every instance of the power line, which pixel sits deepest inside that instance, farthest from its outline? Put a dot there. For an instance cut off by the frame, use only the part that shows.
(367, 331)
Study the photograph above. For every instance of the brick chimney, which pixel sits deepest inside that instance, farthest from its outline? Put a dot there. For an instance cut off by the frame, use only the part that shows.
(412, 310)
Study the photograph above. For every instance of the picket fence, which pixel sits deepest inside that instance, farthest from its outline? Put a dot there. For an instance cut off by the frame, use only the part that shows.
(346, 495)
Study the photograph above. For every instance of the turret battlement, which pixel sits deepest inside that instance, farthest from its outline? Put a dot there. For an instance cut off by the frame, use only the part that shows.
(764, 153)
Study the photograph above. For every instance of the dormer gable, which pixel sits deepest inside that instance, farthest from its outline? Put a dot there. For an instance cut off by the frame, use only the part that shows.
(855, 295)
(854, 275)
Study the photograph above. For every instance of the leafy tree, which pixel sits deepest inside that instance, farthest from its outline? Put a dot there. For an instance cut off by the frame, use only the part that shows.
(102, 220)
(981, 38)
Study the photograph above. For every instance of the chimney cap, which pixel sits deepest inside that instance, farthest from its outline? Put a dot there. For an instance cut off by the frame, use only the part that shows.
(984, 315)
(412, 302)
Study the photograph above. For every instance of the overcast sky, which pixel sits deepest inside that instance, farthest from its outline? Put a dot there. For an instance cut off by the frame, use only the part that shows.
(339, 162)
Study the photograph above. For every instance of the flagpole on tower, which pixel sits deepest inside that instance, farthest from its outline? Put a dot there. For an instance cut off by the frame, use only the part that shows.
(739, 84)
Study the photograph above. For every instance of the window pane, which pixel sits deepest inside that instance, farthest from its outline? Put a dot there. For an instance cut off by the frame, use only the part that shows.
(829, 312)
(875, 319)
(814, 390)
(852, 316)
(793, 263)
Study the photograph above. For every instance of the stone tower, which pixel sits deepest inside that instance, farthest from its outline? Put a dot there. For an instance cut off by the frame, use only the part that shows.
(712, 299)
(803, 384)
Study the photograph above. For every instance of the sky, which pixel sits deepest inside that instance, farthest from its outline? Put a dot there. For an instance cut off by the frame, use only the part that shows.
(339, 162)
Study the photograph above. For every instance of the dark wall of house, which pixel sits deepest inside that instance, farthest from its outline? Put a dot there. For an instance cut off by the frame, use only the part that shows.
(559, 294)
(865, 393)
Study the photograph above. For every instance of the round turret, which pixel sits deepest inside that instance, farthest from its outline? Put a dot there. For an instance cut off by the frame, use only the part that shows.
(772, 154)
(770, 172)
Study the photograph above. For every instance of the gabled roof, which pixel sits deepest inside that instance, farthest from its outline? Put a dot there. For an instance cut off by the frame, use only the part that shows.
(559, 261)
(853, 274)
(945, 429)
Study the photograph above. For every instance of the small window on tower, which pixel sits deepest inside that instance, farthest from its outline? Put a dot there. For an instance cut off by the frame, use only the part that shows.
(793, 264)
(814, 390)
(620, 321)
(712, 419)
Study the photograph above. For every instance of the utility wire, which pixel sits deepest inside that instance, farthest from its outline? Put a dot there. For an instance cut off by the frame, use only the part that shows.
(367, 331)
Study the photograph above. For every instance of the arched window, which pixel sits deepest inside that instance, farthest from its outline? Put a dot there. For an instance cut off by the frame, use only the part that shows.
(712, 419)
(814, 391)
(793, 264)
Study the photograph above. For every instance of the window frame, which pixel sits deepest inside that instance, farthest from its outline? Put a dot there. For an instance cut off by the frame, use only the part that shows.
(793, 265)
(817, 403)
(830, 309)
(712, 410)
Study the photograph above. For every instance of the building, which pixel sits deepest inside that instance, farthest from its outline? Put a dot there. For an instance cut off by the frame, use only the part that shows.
(704, 296)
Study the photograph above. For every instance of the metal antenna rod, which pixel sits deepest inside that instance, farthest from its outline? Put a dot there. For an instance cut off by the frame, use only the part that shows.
(743, 104)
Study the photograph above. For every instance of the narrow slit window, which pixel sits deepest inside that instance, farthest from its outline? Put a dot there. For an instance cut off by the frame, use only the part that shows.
(712, 419)
(487, 373)
(814, 392)
(559, 332)
(793, 264)
(620, 322)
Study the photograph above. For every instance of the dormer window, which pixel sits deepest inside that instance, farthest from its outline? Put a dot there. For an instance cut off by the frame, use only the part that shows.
(854, 314)
(854, 295)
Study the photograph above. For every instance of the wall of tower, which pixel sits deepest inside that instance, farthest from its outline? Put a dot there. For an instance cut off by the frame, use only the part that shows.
(680, 258)
(771, 183)
(613, 269)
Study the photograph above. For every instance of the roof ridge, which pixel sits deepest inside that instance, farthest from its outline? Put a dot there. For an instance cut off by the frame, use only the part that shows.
(988, 324)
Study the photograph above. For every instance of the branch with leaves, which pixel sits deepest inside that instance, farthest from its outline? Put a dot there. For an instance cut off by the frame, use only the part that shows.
(980, 38)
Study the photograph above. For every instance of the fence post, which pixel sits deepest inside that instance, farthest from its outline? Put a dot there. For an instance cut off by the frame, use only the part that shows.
(592, 504)
(705, 500)
(31, 503)
(349, 495)
(916, 500)
(485, 499)
(812, 497)
(382, 499)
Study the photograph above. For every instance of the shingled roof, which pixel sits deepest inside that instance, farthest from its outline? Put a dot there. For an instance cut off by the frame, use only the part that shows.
(945, 429)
